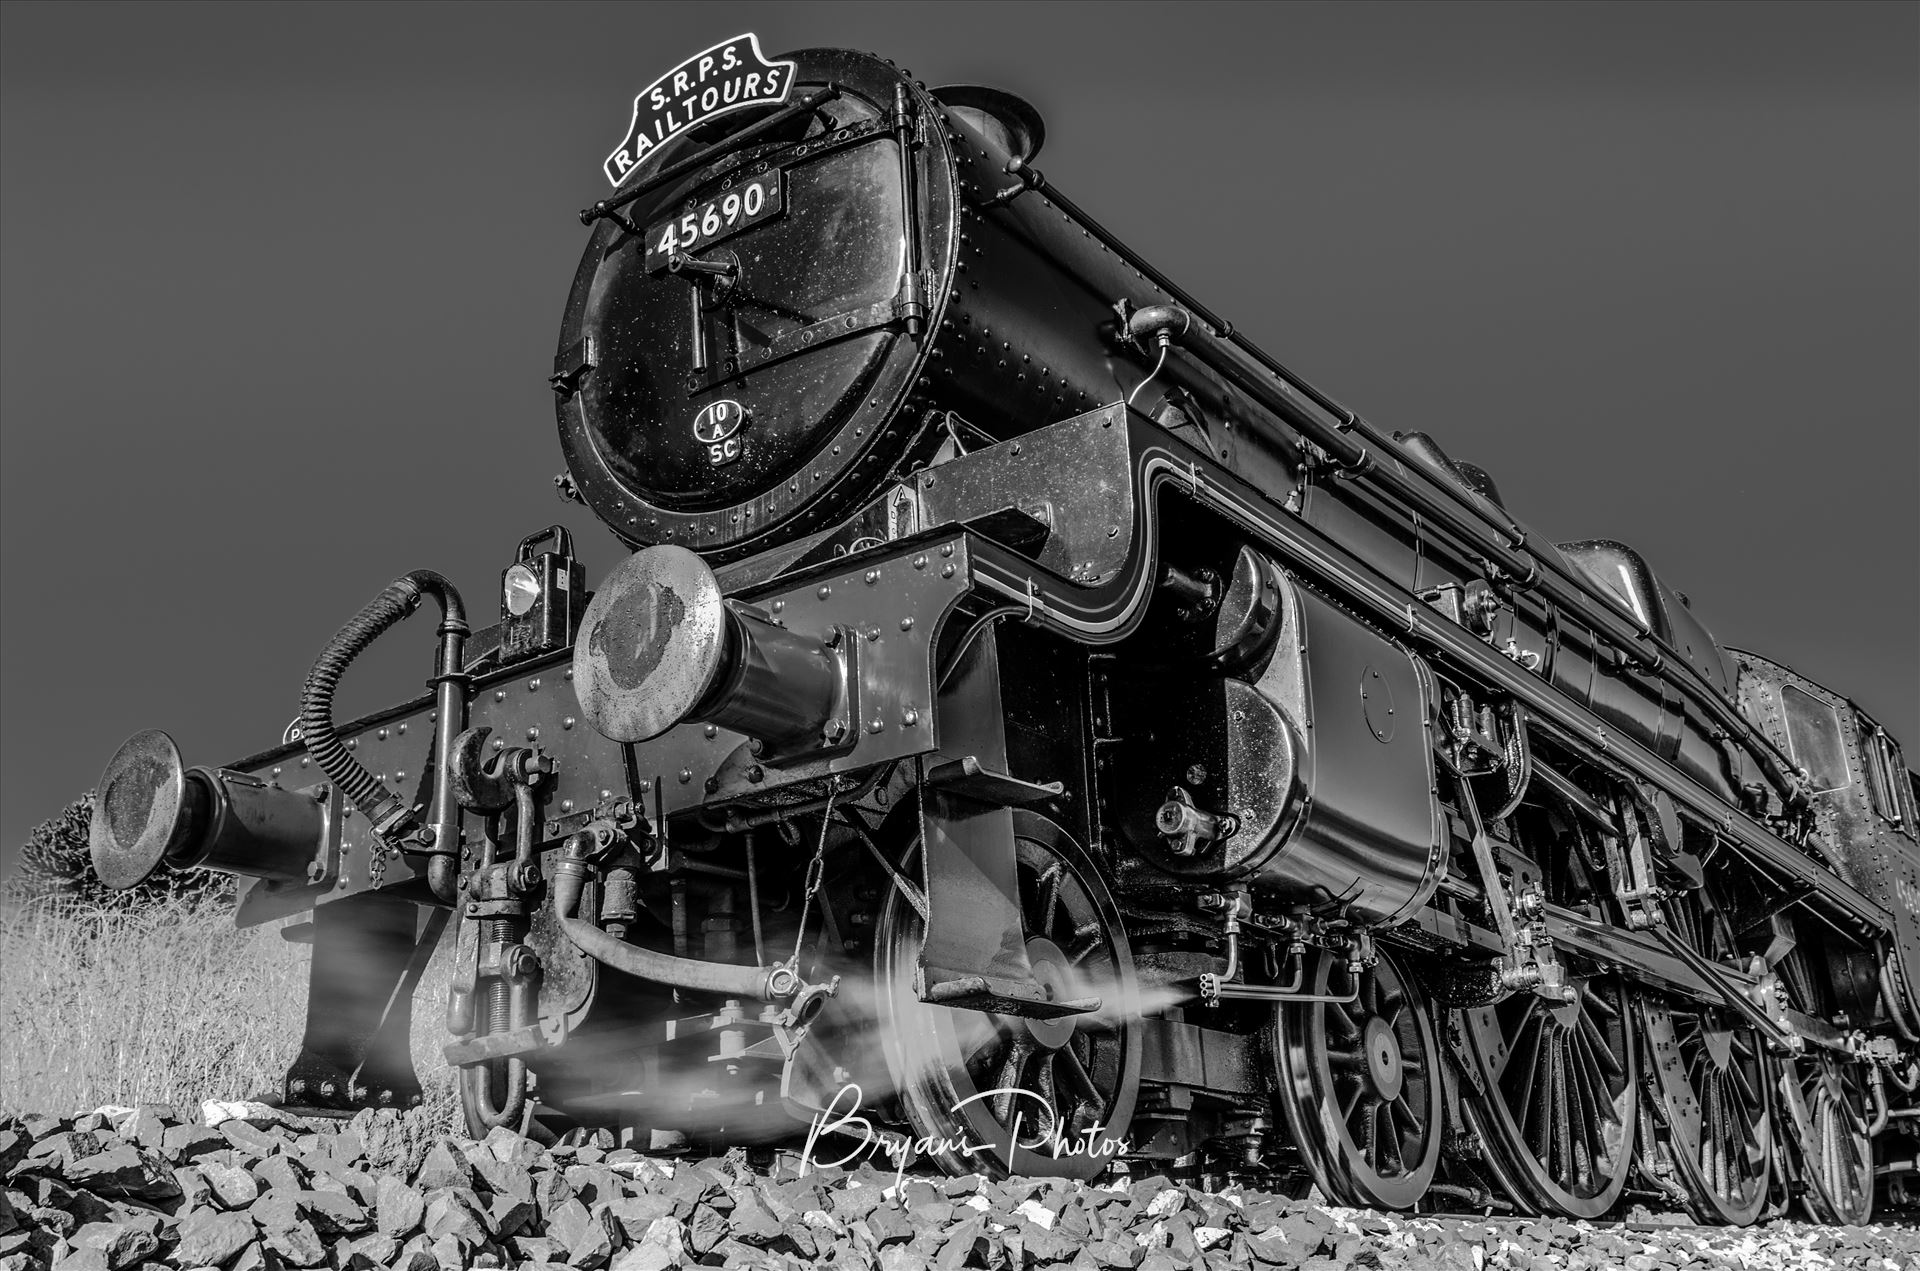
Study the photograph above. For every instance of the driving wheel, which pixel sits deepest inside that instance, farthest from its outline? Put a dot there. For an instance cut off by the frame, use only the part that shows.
(1834, 1147)
(1001, 1094)
(1558, 1082)
(1708, 1077)
(1823, 1109)
(1560, 1085)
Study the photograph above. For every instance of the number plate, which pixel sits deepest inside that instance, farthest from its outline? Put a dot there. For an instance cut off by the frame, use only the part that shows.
(743, 207)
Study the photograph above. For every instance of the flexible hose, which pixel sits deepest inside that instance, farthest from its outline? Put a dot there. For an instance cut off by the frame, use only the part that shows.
(400, 598)
(761, 984)
(1895, 1015)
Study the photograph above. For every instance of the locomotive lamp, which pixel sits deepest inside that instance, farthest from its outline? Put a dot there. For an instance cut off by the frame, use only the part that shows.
(541, 596)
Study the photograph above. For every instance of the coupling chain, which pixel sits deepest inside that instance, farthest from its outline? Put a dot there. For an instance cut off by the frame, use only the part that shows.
(816, 870)
(377, 854)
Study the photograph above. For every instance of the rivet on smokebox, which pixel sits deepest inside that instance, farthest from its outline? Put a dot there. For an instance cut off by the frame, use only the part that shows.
(877, 726)
(910, 717)
(824, 592)
(920, 562)
(686, 775)
(500, 695)
(946, 549)
(568, 722)
(756, 773)
(946, 571)
(533, 734)
(712, 731)
(533, 685)
(906, 624)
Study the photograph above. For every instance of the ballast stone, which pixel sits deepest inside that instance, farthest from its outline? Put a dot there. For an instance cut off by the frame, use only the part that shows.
(118, 1188)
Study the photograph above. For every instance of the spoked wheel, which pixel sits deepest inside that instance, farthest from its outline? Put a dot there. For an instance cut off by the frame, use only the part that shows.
(1834, 1146)
(1825, 1126)
(1708, 1076)
(1360, 1084)
(999, 1094)
(1561, 1086)
(1560, 1082)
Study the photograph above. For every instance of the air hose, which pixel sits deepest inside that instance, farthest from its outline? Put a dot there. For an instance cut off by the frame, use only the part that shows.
(384, 809)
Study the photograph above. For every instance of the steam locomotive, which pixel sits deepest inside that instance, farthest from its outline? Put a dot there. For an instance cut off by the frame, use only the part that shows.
(1035, 722)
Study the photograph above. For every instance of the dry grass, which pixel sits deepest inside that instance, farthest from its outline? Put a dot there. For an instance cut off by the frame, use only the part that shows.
(168, 1004)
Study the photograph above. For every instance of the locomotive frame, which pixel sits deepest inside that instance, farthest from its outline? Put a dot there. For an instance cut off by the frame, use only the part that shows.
(1098, 712)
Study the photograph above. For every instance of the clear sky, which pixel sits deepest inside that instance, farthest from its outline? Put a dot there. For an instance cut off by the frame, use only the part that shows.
(279, 291)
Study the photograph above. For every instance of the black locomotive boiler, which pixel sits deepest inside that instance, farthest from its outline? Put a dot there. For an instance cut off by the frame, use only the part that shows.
(1033, 711)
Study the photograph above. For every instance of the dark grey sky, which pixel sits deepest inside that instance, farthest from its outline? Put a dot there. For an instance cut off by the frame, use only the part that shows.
(279, 288)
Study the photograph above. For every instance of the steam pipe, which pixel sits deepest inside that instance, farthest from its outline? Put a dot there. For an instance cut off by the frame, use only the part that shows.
(450, 687)
(1290, 991)
(1877, 1083)
(761, 984)
(1894, 1015)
